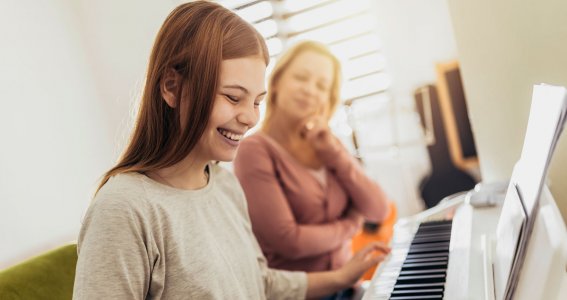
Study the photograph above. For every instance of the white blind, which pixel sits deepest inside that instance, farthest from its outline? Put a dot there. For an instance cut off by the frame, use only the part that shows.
(348, 27)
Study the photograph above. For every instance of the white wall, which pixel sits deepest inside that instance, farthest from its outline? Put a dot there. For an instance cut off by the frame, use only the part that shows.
(506, 47)
(415, 36)
(118, 37)
(54, 137)
(70, 72)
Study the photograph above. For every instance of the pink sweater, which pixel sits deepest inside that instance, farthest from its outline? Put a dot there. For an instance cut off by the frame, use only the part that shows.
(299, 222)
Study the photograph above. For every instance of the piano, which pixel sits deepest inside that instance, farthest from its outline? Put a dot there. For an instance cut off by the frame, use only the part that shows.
(446, 253)
(464, 248)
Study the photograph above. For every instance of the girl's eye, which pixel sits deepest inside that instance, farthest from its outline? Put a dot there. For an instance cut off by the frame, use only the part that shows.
(231, 98)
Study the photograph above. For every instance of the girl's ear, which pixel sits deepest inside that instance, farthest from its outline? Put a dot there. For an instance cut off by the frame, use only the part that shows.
(169, 86)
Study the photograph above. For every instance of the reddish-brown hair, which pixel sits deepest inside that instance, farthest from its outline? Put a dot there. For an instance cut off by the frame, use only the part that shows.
(193, 40)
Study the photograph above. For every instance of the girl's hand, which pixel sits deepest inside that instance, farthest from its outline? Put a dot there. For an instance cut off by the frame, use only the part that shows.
(362, 260)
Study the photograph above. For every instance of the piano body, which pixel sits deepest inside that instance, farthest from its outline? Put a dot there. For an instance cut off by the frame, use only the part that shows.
(428, 263)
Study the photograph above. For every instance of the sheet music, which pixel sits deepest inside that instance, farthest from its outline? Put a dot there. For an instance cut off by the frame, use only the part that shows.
(545, 124)
(511, 227)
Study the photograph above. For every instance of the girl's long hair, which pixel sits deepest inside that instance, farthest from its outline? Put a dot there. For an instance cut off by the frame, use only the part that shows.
(193, 41)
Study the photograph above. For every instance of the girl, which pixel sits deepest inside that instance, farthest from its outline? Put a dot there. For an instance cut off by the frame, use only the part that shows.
(168, 223)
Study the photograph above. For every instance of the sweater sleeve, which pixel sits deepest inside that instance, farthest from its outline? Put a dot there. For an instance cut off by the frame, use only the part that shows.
(367, 196)
(278, 284)
(272, 218)
(113, 261)
(281, 284)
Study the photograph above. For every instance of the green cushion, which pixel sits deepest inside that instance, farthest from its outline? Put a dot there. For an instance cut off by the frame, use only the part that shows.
(48, 276)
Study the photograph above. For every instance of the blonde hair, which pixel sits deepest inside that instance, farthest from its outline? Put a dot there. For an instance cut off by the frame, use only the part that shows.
(285, 61)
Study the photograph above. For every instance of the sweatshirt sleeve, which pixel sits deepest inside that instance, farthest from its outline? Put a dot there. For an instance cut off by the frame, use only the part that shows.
(366, 195)
(272, 218)
(278, 284)
(113, 261)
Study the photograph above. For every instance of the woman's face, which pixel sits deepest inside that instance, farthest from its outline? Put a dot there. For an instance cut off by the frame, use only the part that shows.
(304, 88)
(241, 88)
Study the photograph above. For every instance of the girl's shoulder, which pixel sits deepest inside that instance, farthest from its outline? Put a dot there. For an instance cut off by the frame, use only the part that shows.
(122, 191)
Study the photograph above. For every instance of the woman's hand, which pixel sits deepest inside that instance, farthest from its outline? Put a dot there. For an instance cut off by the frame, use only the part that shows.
(362, 260)
(316, 131)
(354, 215)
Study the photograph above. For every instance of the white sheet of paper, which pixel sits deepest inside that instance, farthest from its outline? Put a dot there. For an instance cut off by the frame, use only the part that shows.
(508, 232)
(545, 124)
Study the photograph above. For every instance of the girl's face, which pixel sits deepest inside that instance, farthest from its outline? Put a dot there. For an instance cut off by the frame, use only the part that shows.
(304, 88)
(241, 88)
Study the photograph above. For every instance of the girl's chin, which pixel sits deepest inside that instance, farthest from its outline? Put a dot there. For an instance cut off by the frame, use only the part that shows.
(225, 157)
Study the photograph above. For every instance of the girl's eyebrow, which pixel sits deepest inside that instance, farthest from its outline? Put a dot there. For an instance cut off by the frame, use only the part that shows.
(243, 89)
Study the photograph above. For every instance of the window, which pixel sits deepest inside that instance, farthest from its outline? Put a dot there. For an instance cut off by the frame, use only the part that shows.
(348, 28)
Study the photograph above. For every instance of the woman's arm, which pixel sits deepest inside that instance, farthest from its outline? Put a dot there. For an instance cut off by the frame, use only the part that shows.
(367, 196)
(272, 219)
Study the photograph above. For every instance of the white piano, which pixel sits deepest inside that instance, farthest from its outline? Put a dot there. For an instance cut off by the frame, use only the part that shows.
(469, 261)
(451, 251)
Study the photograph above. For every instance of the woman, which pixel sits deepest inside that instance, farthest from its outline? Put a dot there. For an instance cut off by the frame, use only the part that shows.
(168, 223)
(306, 195)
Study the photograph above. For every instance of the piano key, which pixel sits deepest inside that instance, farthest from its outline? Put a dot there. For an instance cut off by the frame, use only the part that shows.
(417, 292)
(426, 265)
(417, 264)
(416, 285)
(422, 278)
(428, 271)
(429, 245)
(429, 250)
(422, 255)
(440, 296)
(432, 239)
(428, 259)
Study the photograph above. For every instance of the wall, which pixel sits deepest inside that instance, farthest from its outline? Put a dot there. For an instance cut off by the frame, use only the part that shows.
(506, 47)
(415, 36)
(70, 72)
(55, 138)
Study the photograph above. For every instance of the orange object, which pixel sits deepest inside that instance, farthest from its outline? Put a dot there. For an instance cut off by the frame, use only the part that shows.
(383, 234)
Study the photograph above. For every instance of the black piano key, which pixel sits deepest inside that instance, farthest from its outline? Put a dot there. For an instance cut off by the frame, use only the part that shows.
(428, 259)
(428, 250)
(430, 234)
(426, 271)
(416, 292)
(402, 286)
(446, 221)
(423, 273)
(429, 245)
(435, 227)
(438, 254)
(424, 265)
(417, 297)
(432, 239)
(421, 278)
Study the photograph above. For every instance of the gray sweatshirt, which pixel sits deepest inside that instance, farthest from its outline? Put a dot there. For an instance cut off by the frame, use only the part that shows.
(144, 240)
